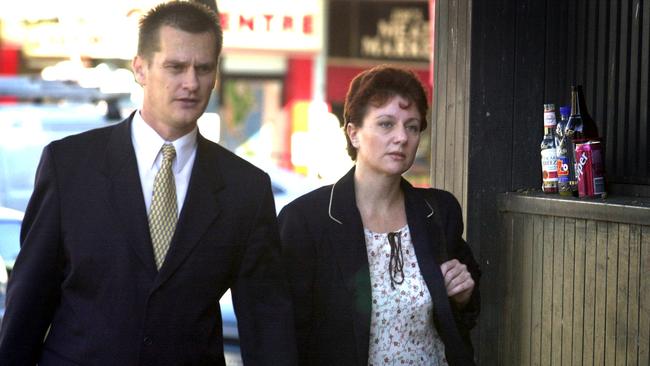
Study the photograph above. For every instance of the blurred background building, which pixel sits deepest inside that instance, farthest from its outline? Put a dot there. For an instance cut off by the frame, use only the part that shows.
(65, 67)
(284, 70)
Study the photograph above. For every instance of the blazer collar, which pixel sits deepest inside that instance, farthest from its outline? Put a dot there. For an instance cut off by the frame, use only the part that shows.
(342, 201)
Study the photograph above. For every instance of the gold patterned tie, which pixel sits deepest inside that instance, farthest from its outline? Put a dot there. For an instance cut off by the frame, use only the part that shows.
(164, 212)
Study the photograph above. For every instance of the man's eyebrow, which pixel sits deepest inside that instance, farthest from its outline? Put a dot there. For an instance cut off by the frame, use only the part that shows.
(206, 64)
(174, 62)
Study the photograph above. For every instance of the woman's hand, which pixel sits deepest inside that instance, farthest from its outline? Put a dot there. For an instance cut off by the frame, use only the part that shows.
(458, 281)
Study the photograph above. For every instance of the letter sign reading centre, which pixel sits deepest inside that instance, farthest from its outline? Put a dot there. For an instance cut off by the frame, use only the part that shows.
(278, 25)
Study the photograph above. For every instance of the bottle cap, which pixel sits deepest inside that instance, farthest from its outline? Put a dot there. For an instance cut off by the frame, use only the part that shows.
(549, 107)
(565, 110)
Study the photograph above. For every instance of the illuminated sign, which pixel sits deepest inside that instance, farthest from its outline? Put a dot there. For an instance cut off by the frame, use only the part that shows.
(381, 30)
(286, 25)
(111, 31)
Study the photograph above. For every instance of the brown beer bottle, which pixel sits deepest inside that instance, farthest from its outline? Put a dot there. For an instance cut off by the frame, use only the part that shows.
(580, 127)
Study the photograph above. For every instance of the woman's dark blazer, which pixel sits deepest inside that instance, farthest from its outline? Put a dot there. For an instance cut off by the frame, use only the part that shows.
(325, 255)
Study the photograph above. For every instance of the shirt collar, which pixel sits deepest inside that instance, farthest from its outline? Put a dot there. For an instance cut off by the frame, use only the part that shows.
(147, 144)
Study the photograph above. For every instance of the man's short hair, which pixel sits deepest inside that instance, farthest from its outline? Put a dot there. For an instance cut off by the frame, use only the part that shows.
(187, 16)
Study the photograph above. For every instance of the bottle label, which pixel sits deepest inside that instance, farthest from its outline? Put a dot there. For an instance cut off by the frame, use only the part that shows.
(549, 119)
(563, 168)
(549, 167)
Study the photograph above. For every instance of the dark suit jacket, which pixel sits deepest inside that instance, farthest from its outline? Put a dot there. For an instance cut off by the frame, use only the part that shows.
(325, 252)
(86, 268)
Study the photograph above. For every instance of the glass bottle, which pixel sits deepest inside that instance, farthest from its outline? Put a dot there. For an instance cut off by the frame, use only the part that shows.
(549, 151)
(566, 182)
(580, 127)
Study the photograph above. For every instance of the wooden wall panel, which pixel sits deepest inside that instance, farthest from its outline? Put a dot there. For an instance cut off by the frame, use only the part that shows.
(547, 289)
(449, 108)
(611, 285)
(621, 321)
(644, 299)
(595, 354)
(525, 290)
(632, 347)
(582, 292)
(537, 295)
(510, 302)
(576, 290)
(592, 291)
(439, 118)
(558, 287)
(569, 291)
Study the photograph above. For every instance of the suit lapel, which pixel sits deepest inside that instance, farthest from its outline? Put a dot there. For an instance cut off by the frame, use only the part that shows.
(126, 199)
(348, 245)
(200, 209)
(428, 241)
(125, 193)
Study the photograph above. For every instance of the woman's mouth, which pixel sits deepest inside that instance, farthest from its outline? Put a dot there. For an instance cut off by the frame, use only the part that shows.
(397, 155)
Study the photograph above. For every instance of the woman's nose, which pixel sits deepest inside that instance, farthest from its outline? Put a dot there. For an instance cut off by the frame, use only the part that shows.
(401, 134)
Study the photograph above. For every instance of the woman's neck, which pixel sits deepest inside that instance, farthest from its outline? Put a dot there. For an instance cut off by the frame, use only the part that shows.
(380, 201)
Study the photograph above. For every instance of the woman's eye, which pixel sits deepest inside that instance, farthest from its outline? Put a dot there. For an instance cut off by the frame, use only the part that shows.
(385, 124)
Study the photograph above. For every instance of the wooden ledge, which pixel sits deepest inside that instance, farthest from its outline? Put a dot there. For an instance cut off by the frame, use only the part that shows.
(629, 210)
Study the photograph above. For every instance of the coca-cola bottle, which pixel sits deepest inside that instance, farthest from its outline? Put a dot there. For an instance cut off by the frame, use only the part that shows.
(549, 151)
(580, 127)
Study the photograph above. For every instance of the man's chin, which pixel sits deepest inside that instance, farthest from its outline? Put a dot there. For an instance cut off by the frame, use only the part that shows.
(184, 119)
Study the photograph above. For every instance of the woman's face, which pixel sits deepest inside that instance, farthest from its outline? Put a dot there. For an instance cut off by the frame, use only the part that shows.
(388, 137)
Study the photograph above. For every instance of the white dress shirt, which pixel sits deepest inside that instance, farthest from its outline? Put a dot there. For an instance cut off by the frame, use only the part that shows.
(147, 144)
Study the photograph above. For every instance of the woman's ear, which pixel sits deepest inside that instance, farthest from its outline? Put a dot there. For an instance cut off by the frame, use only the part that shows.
(352, 132)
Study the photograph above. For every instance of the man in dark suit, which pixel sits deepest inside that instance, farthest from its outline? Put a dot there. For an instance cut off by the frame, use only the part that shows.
(135, 231)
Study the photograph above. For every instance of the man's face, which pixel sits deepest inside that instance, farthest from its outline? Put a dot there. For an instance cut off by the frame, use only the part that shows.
(177, 81)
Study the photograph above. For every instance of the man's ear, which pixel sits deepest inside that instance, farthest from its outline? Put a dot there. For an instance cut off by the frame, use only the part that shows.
(352, 130)
(139, 70)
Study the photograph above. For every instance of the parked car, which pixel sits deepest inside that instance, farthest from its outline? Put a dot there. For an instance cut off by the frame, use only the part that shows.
(10, 221)
(44, 111)
(286, 184)
(4, 277)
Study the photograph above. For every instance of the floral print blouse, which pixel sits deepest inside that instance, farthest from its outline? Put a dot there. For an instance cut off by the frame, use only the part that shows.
(401, 324)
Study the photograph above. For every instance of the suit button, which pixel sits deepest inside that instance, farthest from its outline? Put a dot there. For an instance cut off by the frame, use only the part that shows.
(147, 341)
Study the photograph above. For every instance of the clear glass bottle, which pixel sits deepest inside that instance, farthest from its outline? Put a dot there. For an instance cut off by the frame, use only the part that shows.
(549, 151)
(566, 181)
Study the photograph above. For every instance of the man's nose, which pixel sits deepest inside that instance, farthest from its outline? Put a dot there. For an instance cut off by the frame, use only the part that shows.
(190, 79)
